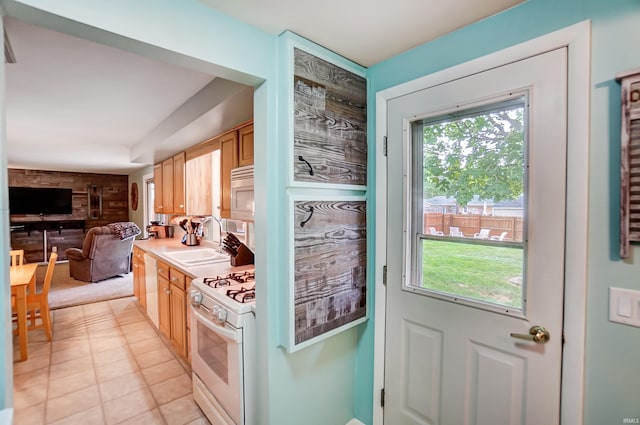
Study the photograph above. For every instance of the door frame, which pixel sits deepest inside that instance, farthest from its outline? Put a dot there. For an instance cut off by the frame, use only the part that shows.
(577, 38)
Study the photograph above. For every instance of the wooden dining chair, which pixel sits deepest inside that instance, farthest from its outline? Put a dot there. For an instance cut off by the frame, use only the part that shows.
(38, 304)
(17, 257)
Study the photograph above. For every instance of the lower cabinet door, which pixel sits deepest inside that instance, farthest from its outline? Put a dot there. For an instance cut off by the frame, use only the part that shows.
(178, 320)
(164, 306)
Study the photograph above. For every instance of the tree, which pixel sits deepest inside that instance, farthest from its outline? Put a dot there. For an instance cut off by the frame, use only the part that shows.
(479, 155)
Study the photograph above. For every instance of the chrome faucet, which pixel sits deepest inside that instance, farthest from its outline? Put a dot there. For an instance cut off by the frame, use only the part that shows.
(220, 234)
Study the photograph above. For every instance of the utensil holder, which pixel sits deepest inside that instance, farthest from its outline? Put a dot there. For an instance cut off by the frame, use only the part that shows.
(244, 257)
(192, 239)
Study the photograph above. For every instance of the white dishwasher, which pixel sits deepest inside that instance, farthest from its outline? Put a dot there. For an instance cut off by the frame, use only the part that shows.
(151, 282)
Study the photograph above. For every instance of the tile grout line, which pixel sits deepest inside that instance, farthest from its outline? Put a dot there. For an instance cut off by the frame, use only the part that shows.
(99, 315)
(95, 372)
(171, 350)
(46, 399)
(135, 359)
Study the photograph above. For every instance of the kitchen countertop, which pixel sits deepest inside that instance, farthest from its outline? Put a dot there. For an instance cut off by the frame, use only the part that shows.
(160, 247)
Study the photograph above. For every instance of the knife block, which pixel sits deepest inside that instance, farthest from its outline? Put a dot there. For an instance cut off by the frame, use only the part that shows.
(244, 256)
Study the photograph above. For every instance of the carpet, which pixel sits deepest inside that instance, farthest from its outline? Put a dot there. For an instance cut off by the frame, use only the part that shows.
(66, 291)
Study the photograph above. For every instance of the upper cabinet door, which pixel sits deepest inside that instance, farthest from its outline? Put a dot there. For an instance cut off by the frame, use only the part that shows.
(245, 146)
(167, 186)
(158, 206)
(228, 161)
(330, 122)
(178, 184)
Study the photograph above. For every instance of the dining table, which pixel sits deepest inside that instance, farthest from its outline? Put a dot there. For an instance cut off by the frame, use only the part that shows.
(23, 281)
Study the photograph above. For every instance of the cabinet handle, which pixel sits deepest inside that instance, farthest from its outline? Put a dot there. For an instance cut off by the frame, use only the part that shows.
(302, 223)
(300, 158)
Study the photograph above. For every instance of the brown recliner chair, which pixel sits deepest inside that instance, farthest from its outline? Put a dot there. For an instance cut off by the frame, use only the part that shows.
(103, 255)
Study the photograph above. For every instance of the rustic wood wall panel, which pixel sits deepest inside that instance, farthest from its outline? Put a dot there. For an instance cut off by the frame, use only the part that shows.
(114, 208)
(330, 266)
(114, 193)
(630, 161)
(634, 181)
(330, 122)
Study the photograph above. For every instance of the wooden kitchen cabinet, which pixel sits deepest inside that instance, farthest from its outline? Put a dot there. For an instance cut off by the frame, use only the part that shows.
(178, 301)
(168, 177)
(172, 306)
(245, 146)
(179, 201)
(167, 185)
(139, 283)
(188, 284)
(228, 161)
(164, 306)
(199, 173)
(158, 205)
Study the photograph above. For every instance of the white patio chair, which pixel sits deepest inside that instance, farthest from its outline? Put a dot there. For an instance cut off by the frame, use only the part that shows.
(483, 234)
(434, 232)
(499, 238)
(455, 232)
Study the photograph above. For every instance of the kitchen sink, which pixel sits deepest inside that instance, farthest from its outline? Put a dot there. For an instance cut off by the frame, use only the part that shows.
(197, 256)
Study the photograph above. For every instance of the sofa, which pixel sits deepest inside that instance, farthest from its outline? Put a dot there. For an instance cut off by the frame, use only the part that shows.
(105, 253)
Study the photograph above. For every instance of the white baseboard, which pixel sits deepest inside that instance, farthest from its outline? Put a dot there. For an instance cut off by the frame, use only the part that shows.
(355, 422)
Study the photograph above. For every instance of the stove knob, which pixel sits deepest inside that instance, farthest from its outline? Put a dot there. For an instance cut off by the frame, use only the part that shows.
(219, 313)
(196, 297)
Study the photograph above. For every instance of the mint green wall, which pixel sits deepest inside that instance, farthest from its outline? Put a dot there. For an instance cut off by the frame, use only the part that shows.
(6, 335)
(322, 384)
(612, 372)
(315, 385)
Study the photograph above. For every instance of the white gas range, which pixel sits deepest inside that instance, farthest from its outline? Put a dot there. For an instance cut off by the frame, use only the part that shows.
(223, 347)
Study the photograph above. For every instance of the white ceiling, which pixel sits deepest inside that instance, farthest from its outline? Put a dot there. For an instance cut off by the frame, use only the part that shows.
(75, 105)
(365, 31)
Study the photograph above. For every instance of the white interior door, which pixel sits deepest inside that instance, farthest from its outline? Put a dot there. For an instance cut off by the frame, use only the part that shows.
(453, 302)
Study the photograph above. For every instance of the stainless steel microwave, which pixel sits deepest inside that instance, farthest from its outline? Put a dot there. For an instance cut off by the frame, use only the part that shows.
(242, 204)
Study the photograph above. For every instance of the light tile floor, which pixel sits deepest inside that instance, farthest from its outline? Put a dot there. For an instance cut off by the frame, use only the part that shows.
(107, 364)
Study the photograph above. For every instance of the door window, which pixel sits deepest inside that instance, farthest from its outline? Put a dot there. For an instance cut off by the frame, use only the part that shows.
(468, 204)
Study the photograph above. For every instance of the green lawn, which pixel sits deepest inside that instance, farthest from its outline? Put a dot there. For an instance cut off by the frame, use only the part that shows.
(488, 273)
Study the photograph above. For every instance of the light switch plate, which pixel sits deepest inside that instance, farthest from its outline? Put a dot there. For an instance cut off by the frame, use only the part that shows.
(624, 306)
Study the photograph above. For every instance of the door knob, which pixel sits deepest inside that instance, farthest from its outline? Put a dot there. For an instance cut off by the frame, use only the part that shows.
(537, 334)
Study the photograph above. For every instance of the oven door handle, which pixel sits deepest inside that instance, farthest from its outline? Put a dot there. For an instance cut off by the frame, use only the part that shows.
(232, 334)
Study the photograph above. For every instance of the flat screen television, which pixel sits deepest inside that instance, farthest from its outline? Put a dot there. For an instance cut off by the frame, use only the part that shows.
(40, 200)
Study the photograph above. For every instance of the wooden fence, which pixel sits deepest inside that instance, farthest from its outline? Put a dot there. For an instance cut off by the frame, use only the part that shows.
(469, 225)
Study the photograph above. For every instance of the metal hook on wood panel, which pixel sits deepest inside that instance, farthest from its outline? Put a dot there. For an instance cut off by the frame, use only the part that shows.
(302, 223)
(300, 158)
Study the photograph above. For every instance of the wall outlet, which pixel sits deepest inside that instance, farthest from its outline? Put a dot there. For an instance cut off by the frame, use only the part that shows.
(624, 306)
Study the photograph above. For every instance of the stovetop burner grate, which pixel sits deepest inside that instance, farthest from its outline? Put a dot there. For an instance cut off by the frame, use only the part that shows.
(229, 279)
(242, 295)
(217, 282)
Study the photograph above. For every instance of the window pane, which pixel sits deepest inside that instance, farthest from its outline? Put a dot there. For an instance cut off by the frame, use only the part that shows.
(470, 182)
(482, 272)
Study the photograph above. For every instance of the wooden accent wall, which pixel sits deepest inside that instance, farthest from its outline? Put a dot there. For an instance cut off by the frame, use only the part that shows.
(115, 201)
(115, 208)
